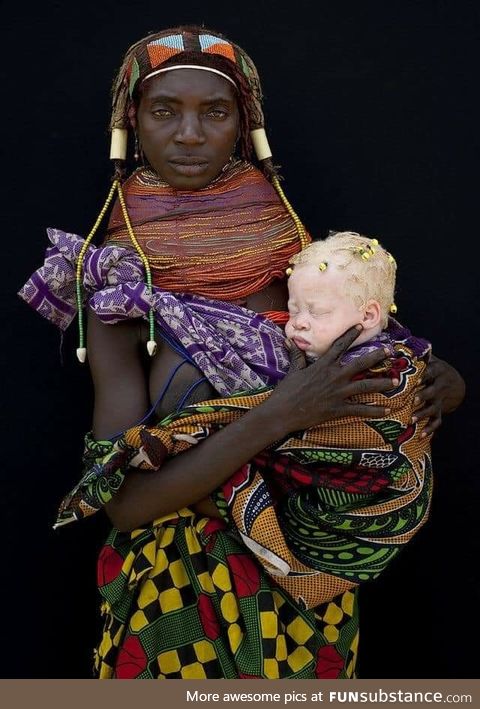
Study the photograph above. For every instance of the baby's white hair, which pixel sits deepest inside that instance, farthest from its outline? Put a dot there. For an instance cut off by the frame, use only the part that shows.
(370, 277)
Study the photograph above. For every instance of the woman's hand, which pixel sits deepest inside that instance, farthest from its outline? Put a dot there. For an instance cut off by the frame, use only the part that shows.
(443, 391)
(322, 391)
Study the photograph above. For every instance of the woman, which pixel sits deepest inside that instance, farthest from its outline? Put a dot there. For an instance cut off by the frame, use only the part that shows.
(183, 596)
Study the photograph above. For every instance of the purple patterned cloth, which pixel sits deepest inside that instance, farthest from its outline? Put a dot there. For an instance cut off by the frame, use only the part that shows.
(235, 348)
(394, 334)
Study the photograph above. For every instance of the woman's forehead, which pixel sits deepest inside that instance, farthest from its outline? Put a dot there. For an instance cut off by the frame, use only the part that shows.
(189, 82)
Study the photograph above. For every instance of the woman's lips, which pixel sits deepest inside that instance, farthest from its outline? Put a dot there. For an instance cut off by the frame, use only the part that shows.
(189, 167)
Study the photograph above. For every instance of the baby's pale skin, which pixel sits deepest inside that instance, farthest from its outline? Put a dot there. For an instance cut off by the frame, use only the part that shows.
(321, 310)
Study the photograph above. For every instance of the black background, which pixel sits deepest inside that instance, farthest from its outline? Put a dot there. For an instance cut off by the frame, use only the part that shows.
(371, 109)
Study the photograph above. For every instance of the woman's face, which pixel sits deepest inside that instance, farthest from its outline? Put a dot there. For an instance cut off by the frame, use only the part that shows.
(188, 124)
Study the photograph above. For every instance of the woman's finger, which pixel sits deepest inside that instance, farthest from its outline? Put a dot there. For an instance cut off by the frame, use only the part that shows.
(431, 411)
(369, 386)
(366, 362)
(296, 356)
(432, 426)
(365, 411)
(425, 394)
(341, 344)
(431, 372)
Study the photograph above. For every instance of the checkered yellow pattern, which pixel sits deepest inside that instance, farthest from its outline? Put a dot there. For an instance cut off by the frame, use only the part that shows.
(190, 603)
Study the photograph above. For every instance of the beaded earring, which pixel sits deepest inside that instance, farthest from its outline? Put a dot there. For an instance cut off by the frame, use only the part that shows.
(136, 154)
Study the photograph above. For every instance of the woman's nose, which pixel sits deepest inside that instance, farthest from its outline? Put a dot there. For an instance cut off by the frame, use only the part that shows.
(190, 131)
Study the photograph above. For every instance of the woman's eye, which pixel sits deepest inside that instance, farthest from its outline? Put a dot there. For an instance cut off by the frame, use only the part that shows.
(218, 114)
(162, 113)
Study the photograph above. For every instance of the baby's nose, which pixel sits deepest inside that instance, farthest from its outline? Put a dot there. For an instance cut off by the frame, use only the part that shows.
(300, 322)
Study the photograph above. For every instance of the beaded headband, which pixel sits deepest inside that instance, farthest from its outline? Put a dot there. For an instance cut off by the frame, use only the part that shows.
(189, 66)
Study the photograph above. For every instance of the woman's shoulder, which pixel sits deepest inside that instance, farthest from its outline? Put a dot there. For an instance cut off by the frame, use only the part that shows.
(73, 268)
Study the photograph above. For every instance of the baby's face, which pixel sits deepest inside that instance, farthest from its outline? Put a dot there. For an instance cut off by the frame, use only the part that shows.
(319, 309)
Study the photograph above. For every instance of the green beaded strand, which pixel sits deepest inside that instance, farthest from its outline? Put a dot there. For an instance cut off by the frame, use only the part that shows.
(81, 349)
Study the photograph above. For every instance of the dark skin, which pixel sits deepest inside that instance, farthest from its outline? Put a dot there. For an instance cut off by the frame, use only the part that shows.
(187, 122)
(443, 392)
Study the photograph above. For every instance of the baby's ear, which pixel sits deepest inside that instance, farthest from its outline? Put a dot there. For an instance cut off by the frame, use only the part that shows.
(372, 315)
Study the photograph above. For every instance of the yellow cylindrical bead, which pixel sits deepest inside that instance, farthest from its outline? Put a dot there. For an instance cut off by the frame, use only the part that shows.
(260, 143)
(118, 144)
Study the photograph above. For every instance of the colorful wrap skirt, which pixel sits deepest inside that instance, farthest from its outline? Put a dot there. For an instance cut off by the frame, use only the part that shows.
(183, 598)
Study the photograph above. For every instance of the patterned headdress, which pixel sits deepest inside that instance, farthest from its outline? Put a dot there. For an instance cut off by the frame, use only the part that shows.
(189, 46)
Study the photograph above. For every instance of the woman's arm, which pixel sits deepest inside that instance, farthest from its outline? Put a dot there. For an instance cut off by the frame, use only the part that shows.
(119, 380)
(304, 398)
